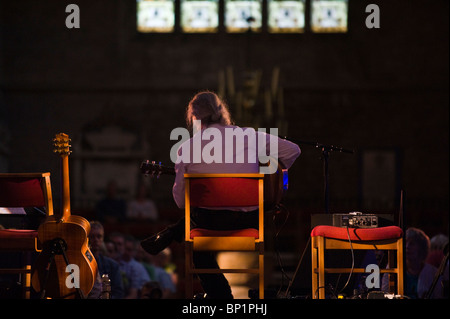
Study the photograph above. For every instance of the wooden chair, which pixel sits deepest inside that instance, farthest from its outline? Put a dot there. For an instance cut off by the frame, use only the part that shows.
(224, 190)
(23, 190)
(325, 238)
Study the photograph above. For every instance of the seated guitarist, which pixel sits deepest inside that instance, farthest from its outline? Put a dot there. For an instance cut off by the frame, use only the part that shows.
(208, 108)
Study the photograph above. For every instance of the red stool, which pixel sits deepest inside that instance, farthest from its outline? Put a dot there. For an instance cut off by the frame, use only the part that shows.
(331, 238)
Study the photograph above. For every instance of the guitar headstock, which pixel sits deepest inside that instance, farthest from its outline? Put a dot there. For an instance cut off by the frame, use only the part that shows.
(61, 144)
(155, 169)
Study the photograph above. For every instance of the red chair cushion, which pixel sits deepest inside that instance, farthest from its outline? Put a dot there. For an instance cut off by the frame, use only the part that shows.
(247, 232)
(224, 192)
(23, 192)
(18, 239)
(357, 234)
(6, 234)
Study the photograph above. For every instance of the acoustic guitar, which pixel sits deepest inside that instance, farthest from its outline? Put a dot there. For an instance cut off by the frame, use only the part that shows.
(64, 240)
(275, 185)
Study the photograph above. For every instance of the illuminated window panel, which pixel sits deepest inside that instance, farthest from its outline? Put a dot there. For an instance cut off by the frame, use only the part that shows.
(155, 15)
(286, 16)
(242, 15)
(329, 15)
(199, 15)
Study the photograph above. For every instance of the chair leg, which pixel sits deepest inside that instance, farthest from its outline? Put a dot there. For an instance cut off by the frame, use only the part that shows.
(321, 266)
(400, 289)
(26, 282)
(261, 276)
(314, 274)
(189, 280)
(318, 267)
(392, 265)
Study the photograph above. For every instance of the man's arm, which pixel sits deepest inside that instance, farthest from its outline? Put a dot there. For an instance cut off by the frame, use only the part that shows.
(276, 151)
(287, 152)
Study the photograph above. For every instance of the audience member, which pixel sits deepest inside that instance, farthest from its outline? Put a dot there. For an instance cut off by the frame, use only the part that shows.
(151, 290)
(110, 250)
(112, 208)
(419, 275)
(134, 274)
(157, 273)
(436, 254)
(142, 207)
(164, 260)
(118, 239)
(106, 265)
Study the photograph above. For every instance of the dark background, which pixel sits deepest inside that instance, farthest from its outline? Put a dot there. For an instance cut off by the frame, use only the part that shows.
(380, 89)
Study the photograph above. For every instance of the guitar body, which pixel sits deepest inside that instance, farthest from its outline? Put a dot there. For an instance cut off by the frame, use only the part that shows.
(275, 187)
(73, 232)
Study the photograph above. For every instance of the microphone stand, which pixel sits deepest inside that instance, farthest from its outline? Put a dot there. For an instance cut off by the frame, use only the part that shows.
(326, 149)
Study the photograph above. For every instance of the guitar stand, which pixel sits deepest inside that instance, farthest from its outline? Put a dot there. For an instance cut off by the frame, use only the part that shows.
(56, 246)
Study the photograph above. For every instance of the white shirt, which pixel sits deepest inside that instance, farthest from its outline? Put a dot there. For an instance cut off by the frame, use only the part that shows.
(233, 159)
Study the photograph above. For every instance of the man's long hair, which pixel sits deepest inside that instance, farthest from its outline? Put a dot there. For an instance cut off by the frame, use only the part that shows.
(207, 107)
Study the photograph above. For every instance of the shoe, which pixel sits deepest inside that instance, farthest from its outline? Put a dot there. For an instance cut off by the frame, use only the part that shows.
(206, 296)
(157, 243)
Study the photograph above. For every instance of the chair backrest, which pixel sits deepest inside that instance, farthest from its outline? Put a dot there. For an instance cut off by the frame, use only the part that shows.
(26, 190)
(225, 190)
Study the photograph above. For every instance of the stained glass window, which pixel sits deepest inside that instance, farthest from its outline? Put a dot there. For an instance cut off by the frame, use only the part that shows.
(199, 15)
(243, 15)
(286, 15)
(329, 15)
(238, 16)
(155, 15)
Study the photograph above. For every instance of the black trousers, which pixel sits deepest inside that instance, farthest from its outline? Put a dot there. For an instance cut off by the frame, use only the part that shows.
(215, 286)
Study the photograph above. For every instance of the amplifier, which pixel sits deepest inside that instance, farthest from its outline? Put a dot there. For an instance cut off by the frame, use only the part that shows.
(355, 220)
(352, 220)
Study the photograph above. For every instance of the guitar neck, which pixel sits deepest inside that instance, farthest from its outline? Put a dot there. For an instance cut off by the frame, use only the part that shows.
(65, 188)
(62, 147)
